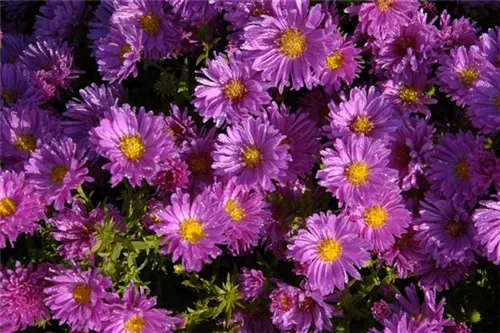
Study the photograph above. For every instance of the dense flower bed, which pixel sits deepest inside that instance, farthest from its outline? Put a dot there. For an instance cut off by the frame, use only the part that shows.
(250, 166)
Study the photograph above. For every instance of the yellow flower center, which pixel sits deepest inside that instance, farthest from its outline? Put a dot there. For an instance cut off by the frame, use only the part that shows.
(191, 230)
(235, 90)
(335, 61)
(135, 324)
(292, 43)
(132, 147)
(81, 293)
(375, 216)
(150, 23)
(454, 229)
(9, 96)
(362, 125)
(126, 48)
(200, 164)
(408, 95)
(461, 170)
(58, 173)
(235, 210)
(357, 173)
(329, 250)
(285, 303)
(468, 76)
(7, 207)
(496, 101)
(251, 156)
(25, 142)
(383, 5)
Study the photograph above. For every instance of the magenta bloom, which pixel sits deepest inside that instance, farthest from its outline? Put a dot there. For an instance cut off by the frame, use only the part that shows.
(446, 232)
(20, 207)
(460, 71)
(283, 299)
(118, 53)
(137, 313)
(490, 45)
(17, 88)
(198, 156)
(410, 148)
(174, 174)
(191, 230)
(439, 278)
(251, 283)
(230, 91)
(288, 43)
(484, 103)
(60, 19)
(302, 137)
(330, 250)
(252, 151)
(57, 168)
(487, 222)
(134, 143)
(21, 296)
(363, 112)
(356, 168)
(381, 218)
(160, 38)
(79, 298)
(246, 212)
(456, 32)
(74, 228)
(181, 126)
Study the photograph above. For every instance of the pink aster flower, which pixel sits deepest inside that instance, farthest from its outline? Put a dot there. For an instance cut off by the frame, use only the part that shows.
(490, 45)
(484, 103)
(363, 112)
(56, 169)
(251, 283)
(134, 143)
(180, 125)
(487, 221)
(283, 299)
(254, 152)
(230, 91)
(456, 32)
(191, 230)
(330, 251)
(357, 167)
(79, 298)
(173, 175)
(287, 43)
(460, 71)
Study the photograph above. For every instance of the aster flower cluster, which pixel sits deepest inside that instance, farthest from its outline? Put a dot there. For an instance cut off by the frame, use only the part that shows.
(249, 166)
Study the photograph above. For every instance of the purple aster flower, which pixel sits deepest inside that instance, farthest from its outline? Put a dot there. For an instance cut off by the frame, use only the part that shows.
(402, 322)
(363, 112)
(283, 299)
(409, 46)
(485, 170)
(439, 278)
(181, 126)
(253, 320)
(174, 174)
(410, 147)
(230, 91)
(160, 38)
(99, 24)
(20, 207)
(57, 168)
(194, 13)
(74, 228)
(23, 130)
(12, 47)
(487, 222)
(150, 218)
(379, 17)
(484, 103)
(191, 229)
(287, 43)
(87, 111)
(21, 296)
(451, 163)
(134, 143)
(118, 53)
(460, 71)
(330, 250)
(251, 283)
(446, 232)
(490, 45)
(16, 88)
(315, 103)
(302, 137)
(245, 213)
(381, 310)
(137, 313)
(456, 32)
(341, 65)
(356, 168)
(407, 93)
(252, 151)
(381, 218)
(60, 19)
(458, 328)
(79, 298)
(239, 13)
(50, 63)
